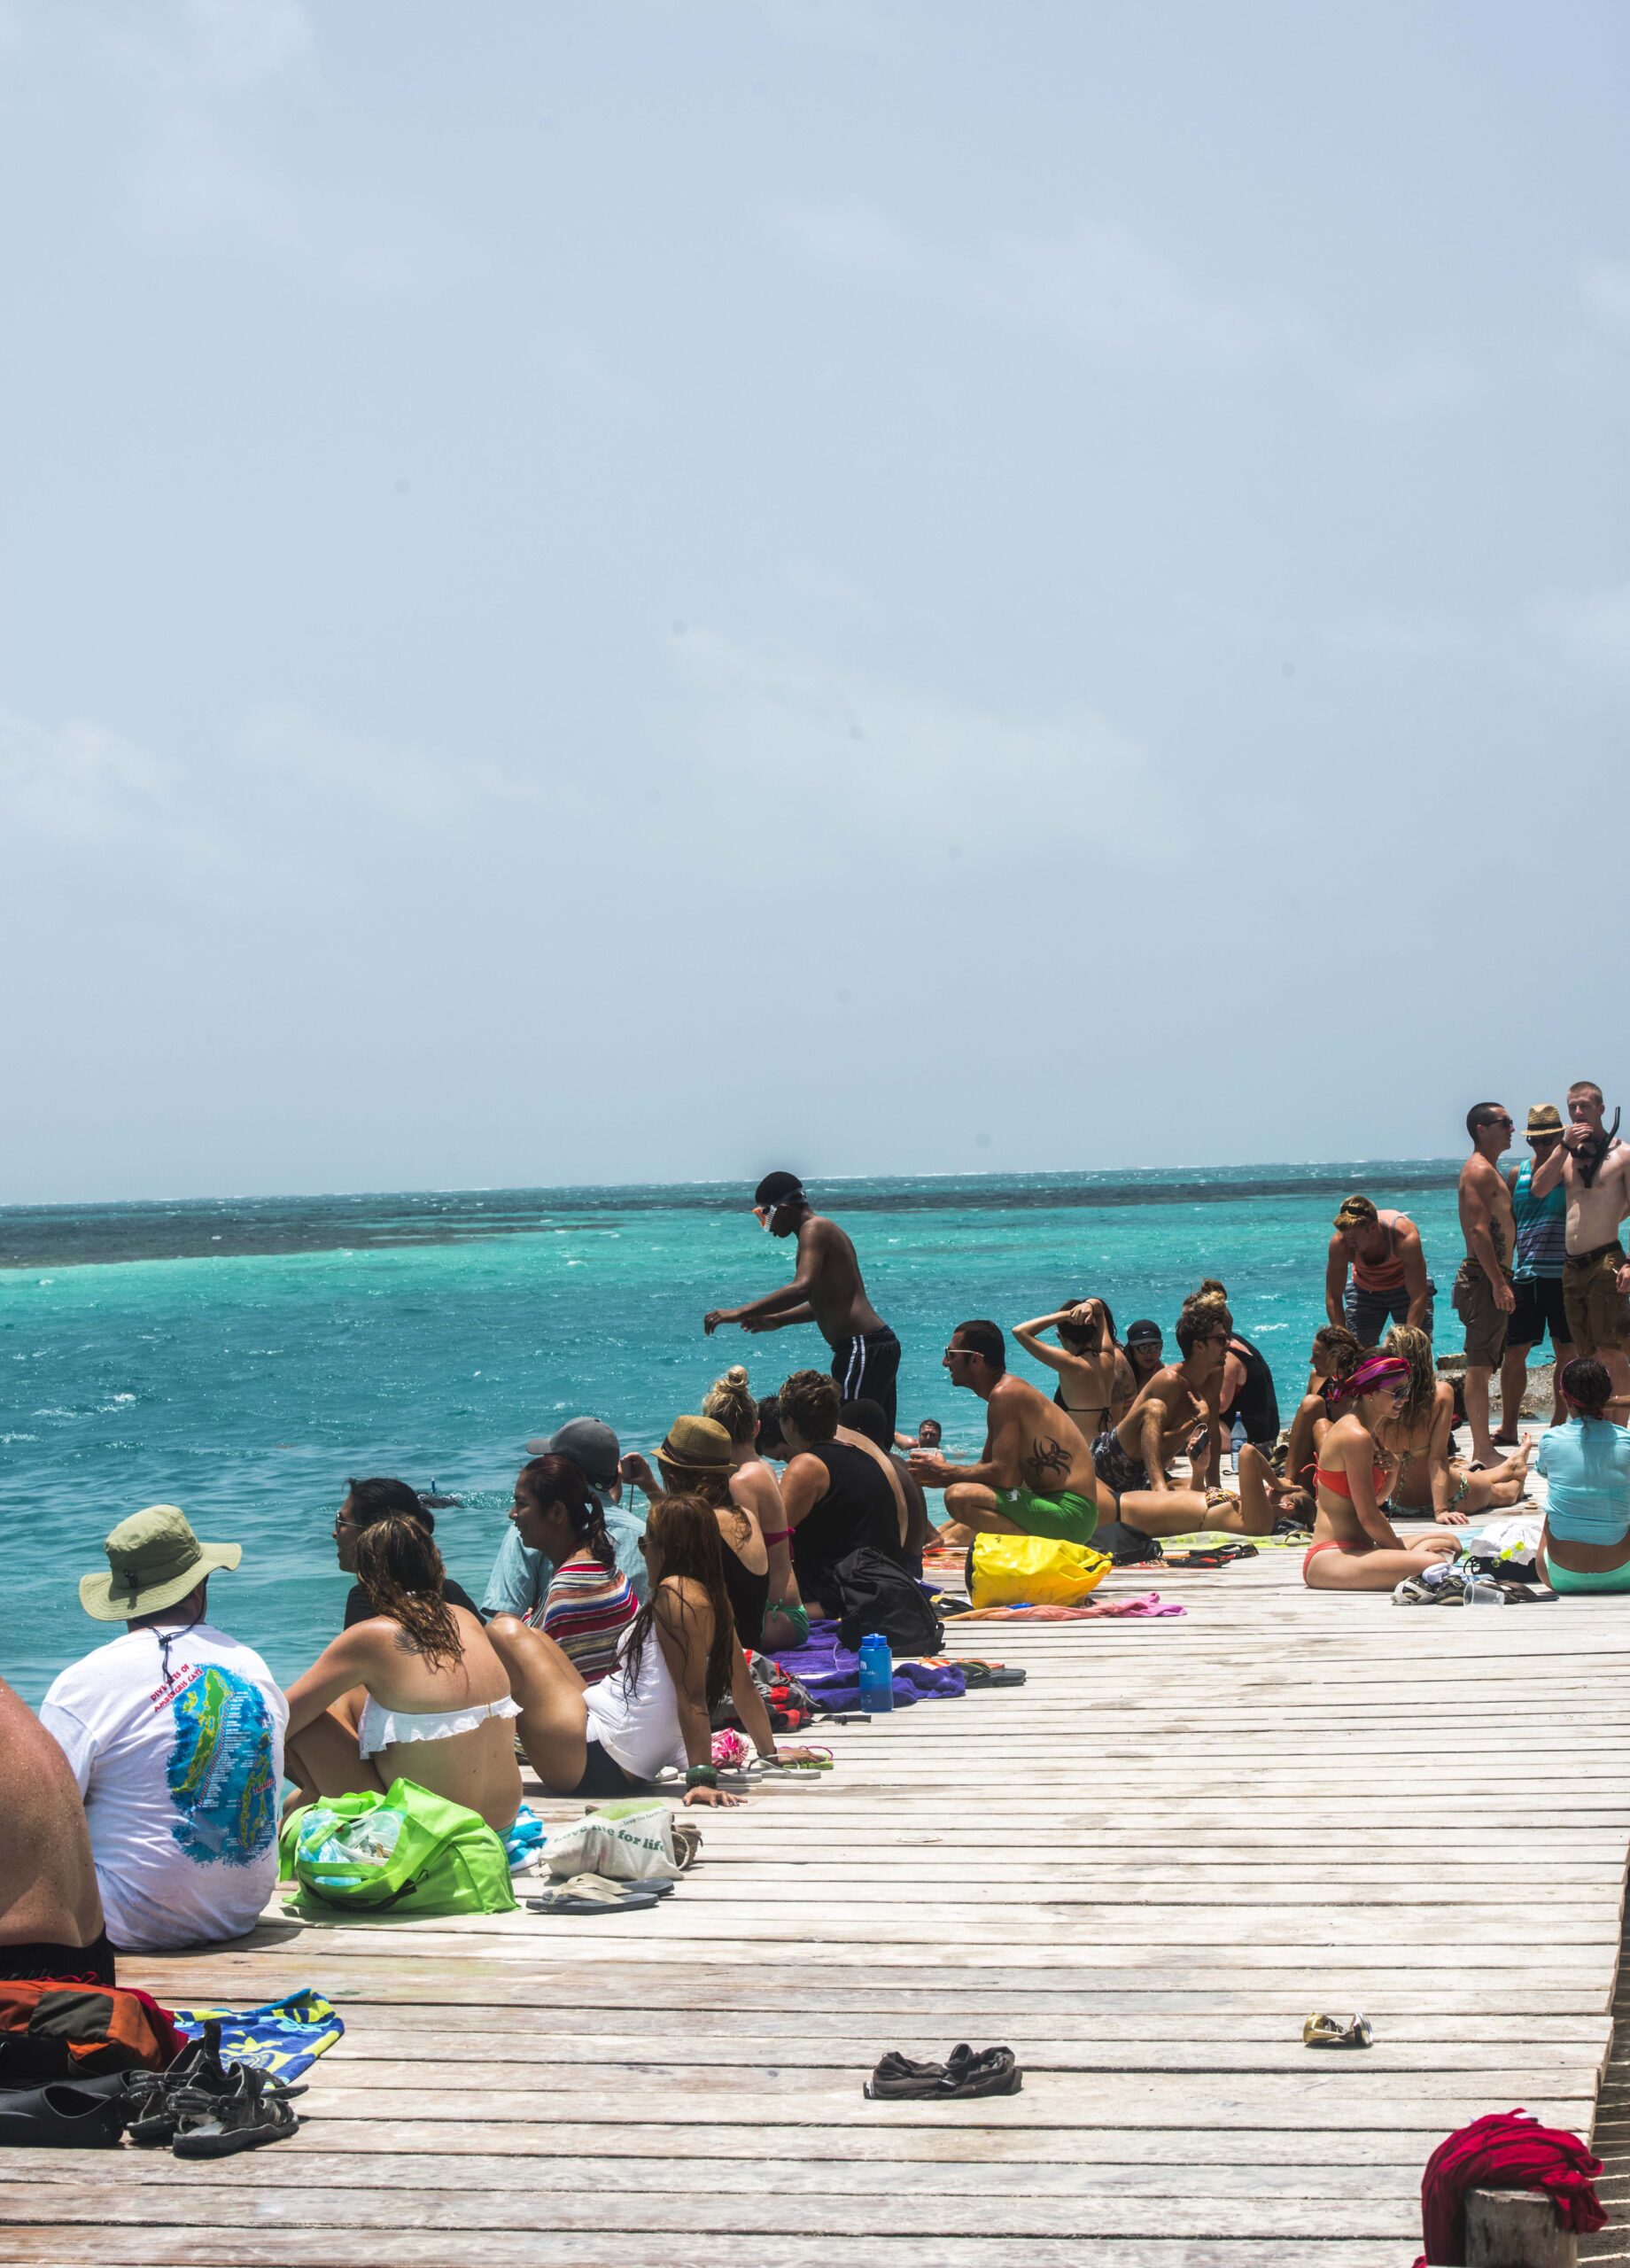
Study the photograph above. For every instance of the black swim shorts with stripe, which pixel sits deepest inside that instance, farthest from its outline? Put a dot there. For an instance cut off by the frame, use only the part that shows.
(868, 1369)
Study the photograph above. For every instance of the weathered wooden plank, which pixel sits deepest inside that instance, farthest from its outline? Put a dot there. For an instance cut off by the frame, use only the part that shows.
(469, 2211)
(204, 2246)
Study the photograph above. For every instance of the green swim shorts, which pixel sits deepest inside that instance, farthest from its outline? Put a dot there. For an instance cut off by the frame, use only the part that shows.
(1070, 1517)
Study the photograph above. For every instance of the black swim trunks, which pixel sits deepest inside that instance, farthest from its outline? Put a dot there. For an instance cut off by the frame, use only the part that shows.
(1114, 1468)
(868, 1369)
(1539, 1308)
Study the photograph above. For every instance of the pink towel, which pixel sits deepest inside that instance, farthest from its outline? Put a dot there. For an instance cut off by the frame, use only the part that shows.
(1145, 1606)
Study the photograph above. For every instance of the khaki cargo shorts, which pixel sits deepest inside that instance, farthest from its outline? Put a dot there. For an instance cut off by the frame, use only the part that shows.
(1485, 1324)
(1598, 1312)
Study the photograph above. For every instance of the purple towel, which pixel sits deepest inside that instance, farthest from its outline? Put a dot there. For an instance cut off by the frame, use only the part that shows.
(831, 1673)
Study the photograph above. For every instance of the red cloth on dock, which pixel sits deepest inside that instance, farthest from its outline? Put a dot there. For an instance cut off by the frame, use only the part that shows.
(1508, 2150)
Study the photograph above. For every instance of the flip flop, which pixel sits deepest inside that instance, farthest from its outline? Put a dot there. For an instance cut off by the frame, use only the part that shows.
(1336, 2031)
(593, 1894)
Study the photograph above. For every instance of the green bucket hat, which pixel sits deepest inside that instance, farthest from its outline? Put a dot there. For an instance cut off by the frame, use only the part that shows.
(154, 1559)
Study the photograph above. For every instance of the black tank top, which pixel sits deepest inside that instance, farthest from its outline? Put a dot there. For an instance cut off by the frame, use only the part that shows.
(749, 1593)
(1256, 1405)
(858, 1509)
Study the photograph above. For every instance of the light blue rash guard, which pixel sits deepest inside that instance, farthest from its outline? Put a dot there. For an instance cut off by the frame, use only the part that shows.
(1587, 1464)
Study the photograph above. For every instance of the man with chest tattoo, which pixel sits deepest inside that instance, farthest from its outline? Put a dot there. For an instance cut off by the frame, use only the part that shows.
(1036, 1475)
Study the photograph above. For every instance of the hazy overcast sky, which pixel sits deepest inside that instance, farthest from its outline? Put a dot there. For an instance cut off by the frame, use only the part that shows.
(611, 591)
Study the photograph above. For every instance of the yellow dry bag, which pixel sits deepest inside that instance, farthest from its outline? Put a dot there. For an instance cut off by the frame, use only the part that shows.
(1032, 1571)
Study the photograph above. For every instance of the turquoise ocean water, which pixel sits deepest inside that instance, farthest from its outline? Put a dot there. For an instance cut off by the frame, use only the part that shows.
(241, 1358)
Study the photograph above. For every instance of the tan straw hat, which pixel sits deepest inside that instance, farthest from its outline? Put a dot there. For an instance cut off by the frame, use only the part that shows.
(154, 1560)
(1544, 1118)
(696, 1445)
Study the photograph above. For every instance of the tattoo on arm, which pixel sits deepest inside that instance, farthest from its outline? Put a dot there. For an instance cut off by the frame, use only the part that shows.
(1049, 1457)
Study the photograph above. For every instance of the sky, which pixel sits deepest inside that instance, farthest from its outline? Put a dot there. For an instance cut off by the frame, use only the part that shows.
(650, 590)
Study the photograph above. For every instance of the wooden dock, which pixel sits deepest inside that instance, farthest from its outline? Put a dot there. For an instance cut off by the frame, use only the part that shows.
(1142, 1871)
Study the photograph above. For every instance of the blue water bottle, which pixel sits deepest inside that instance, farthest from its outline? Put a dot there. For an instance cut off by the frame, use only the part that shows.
(876, 1674)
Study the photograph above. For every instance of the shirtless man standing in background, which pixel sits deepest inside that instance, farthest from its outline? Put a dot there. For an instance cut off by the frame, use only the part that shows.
(827, 1291)
(1594, 1166)
(1485, 1290)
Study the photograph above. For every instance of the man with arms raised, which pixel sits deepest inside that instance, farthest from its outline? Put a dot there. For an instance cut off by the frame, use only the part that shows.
(1484, 1290)
(1594, 1166)
(826, 1291)
(1389, 1280)
(1036, 1475)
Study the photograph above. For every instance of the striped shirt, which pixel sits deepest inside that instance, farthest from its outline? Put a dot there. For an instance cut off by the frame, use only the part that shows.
(1542, 1227)
(587, 1608)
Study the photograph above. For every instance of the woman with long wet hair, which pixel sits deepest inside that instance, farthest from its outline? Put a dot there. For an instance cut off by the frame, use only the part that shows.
(415, 1692)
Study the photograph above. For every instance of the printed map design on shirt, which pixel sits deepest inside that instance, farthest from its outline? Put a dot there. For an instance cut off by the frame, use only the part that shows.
(220, 1773)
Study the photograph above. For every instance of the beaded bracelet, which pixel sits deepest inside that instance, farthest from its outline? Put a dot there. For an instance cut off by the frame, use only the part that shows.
(701, 1775)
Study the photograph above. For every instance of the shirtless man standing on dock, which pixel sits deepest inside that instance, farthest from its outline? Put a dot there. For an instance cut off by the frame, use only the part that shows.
(1484, 1290)
(1594, 1166)
(1036, 1475)
(827, 1291)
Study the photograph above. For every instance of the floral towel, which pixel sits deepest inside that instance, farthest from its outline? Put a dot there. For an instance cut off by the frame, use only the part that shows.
(286, 2037)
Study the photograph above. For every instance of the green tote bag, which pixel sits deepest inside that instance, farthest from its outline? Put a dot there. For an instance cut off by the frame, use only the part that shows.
(406, 1851)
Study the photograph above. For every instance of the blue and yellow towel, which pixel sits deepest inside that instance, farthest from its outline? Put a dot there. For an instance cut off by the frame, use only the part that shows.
(286, 2037)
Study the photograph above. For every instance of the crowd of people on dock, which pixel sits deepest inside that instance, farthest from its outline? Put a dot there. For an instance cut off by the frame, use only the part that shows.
(143, 1801)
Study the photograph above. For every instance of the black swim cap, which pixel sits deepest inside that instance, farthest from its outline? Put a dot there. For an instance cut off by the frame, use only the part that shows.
(779, 1189)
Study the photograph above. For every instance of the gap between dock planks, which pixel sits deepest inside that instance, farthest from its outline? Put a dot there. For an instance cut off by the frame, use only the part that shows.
(1141, 1869)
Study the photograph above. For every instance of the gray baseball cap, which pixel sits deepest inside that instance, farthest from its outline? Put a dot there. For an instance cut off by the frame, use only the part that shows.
(590, 1443)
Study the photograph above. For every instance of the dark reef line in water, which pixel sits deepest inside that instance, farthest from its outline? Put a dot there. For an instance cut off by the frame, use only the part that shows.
(221, 1228)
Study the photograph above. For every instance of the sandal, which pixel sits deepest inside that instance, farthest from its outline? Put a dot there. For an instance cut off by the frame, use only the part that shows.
(992, 2070)
(897, 2079)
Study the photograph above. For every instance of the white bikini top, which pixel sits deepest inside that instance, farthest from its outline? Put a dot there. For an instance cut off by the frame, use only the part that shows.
(384, 1727)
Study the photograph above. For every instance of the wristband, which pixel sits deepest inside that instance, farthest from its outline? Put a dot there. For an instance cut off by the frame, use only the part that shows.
(701, 1775)
(778, 1535)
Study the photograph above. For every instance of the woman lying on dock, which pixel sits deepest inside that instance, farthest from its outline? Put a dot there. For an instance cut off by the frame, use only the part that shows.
(1586, 1543)
(1356, 1547)
(1429, 1480)
(677, 1660)
(415, 1692)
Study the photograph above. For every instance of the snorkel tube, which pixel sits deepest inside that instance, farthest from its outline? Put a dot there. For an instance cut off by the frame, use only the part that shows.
(1588, 1156)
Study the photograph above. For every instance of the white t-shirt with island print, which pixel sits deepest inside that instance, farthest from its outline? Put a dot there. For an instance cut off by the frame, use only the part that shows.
(181, 1776)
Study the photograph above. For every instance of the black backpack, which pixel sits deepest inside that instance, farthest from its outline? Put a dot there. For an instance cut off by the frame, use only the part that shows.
(875, 1594)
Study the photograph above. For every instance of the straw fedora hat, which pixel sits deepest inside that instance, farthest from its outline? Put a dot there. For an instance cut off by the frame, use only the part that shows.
(696, 1445)
(154, 1559)
(1543, 1118)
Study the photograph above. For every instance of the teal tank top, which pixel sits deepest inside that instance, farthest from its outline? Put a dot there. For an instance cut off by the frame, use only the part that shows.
(1542, 1227)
